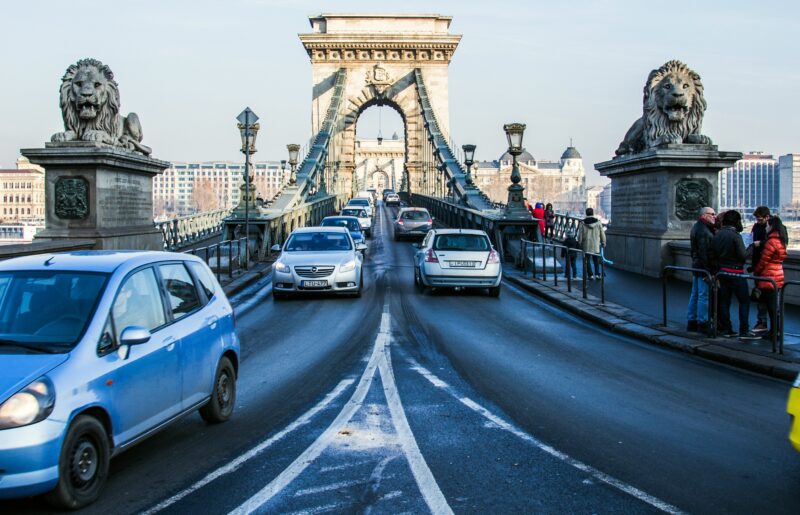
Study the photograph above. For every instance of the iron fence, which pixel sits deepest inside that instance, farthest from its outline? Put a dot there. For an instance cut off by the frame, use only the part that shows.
(229, 255)
(530, 257)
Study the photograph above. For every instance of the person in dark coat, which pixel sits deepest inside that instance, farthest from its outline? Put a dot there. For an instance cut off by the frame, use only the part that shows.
(770, 265)
(549, 221)
(730, 255)
(701, 237)
(759, 232)
(571, 243)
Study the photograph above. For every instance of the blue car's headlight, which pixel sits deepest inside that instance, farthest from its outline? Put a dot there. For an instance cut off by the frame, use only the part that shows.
(281, 267)
(32, 404)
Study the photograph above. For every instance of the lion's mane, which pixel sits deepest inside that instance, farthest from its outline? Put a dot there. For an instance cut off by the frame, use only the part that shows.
(658, 127)
(107, 119)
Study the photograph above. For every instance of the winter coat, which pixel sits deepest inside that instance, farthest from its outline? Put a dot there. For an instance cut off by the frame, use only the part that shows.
(759, 232)
(728, 248)
(771, 262)
(549, 218)
(701, 238)
(538, 213)
(592, 235)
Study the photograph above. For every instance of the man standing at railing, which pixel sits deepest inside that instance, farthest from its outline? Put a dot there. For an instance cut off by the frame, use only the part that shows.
(701, 237)
(592, 239)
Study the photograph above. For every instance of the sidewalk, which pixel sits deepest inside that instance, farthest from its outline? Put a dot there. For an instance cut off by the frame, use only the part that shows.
(242, 279)
(642, 323)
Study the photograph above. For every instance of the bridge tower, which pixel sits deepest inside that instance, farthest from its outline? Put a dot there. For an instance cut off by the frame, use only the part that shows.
(380, 53)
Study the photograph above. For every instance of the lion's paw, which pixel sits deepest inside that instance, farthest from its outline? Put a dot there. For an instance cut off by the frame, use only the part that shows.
(96, 136)
(61, 137)
(698, 139)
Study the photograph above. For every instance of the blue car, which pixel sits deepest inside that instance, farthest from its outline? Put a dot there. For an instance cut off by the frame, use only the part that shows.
(351, 223)
(99, 350)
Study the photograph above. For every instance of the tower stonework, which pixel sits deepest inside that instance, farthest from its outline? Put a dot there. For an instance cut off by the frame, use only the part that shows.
(380, 54)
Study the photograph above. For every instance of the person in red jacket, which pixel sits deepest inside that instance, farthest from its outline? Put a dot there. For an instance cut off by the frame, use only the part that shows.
(770, 265)
(538, 213)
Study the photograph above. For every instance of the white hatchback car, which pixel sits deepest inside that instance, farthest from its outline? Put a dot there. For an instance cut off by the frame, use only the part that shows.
(462, 258)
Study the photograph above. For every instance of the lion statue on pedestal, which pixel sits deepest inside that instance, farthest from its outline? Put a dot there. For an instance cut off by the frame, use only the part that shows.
(90, 106)
(673, 107)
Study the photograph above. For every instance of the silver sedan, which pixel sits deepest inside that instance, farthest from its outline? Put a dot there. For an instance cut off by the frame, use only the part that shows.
(318, 260)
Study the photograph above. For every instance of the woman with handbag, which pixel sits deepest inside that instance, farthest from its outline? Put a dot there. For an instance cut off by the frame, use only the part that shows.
(770, 265)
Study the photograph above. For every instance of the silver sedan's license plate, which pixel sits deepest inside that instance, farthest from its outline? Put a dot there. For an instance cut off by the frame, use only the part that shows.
(463, 264)
(315, 284)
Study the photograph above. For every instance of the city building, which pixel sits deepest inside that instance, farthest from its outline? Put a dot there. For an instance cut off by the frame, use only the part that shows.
(22, 193)
(789, 170)
(596, 200)
(187, 187)
(751, 182)
(562, 182)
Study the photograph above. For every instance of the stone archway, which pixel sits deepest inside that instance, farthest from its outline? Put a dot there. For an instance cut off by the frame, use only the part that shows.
(380, 54)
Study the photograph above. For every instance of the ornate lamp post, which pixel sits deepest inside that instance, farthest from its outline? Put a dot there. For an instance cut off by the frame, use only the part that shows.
(248, 130)
(283, 171)
(515, 207)
(294, 150)
(469, 156)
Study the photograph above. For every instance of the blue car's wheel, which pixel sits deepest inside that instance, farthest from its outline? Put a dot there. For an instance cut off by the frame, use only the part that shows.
(82, 465)
(223, 396)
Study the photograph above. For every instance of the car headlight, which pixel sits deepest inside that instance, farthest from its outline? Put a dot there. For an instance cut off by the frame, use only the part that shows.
(32, 404)
(281, 267)
(348, 267)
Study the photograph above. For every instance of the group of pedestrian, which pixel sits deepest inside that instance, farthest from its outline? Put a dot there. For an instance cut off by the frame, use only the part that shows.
(718, 248)
(546, 217)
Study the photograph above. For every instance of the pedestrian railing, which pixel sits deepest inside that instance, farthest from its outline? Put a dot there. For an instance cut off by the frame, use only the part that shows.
(229, 255)
(776, 316)
(529, 254)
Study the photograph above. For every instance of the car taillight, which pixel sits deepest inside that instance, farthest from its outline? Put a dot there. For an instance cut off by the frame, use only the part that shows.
(494, 257)
(400, 222)
(430, 222)
(430, 257)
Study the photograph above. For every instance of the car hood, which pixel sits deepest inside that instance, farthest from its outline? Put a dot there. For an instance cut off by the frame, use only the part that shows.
(19, 370)
(316, 258)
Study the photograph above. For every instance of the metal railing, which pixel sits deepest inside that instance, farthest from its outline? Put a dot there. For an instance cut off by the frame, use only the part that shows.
(567, 267)
(185, 230)
(776, 317)
(236, 256)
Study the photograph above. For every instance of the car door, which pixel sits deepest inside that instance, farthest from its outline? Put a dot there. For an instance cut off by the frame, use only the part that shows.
(144, 387)
(196, 328)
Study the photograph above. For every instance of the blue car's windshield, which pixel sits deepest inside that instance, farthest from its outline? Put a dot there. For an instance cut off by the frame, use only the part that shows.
(318, 241)
(352, 225)
(46, 311)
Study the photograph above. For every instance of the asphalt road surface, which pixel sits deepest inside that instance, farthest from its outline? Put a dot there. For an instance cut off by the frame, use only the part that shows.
(400, 402)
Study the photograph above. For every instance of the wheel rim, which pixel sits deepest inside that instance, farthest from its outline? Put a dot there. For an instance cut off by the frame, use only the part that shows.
(225, 392)
(84, 463)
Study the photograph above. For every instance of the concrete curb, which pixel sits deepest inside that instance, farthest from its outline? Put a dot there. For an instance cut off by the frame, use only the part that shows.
(255, 274)
(642, 327)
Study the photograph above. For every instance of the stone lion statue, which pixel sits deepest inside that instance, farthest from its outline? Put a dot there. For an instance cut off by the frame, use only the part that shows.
(673, 110)
(90, 106)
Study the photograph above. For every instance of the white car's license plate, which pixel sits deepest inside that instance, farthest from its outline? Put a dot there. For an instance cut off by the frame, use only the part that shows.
(315, 284)
(462, 264)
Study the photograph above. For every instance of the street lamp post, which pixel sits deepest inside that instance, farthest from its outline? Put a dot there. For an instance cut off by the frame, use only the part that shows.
(469, 156)
(248, 130)
(283, 171)
(294, 150)
(515, 207)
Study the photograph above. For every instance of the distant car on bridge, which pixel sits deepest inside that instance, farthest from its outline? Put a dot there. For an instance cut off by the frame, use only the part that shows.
(412, 222)
(392, 199)
(318, 260)
(352, 225)
(100, 350)
(460, 258)
(363, 218)
(363, 203)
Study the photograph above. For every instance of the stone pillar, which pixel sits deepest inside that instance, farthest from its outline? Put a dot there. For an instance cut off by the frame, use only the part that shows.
(656, 196)
(98, 192)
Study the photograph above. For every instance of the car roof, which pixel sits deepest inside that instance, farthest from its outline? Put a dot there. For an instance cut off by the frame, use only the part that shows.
(91, 260)
(340, 217)
(404, 209)
(317, 228)
(460, 231)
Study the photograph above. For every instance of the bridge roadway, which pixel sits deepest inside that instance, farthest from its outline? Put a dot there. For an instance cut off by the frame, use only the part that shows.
(399, 402)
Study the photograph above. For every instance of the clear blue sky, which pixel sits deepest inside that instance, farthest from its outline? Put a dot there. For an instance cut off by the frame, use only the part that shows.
(567, 69)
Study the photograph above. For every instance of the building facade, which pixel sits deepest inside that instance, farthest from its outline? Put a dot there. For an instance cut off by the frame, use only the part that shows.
(751, 182)
(561, 183)
(22, 193)
(789, 171)
(186, 187)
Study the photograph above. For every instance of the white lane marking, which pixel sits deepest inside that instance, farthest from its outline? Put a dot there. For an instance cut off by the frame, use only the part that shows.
(431, 492)
(327, 437)
(319, 509)
(328, 488)
(238, 462)
(352, 464)
(502, 424)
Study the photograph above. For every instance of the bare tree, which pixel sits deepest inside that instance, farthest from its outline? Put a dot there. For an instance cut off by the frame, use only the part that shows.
(205, 196)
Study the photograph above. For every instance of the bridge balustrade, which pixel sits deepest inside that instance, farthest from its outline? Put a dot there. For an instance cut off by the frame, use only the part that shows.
(184, 231)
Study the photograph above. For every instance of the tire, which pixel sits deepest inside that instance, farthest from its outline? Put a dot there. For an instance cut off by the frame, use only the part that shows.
(82, 465)
(494, 291)
(418, 281)
(223, 396)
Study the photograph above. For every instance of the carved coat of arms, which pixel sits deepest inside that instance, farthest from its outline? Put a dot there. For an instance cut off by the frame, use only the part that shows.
(690, 196)
(378, 77)
(72, 198)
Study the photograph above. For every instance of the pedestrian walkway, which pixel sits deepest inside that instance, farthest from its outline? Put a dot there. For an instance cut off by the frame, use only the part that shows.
(633, 308)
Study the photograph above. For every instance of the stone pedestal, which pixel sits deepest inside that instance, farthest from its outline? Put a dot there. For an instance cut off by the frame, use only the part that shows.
(656, 196)
(100, 193)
